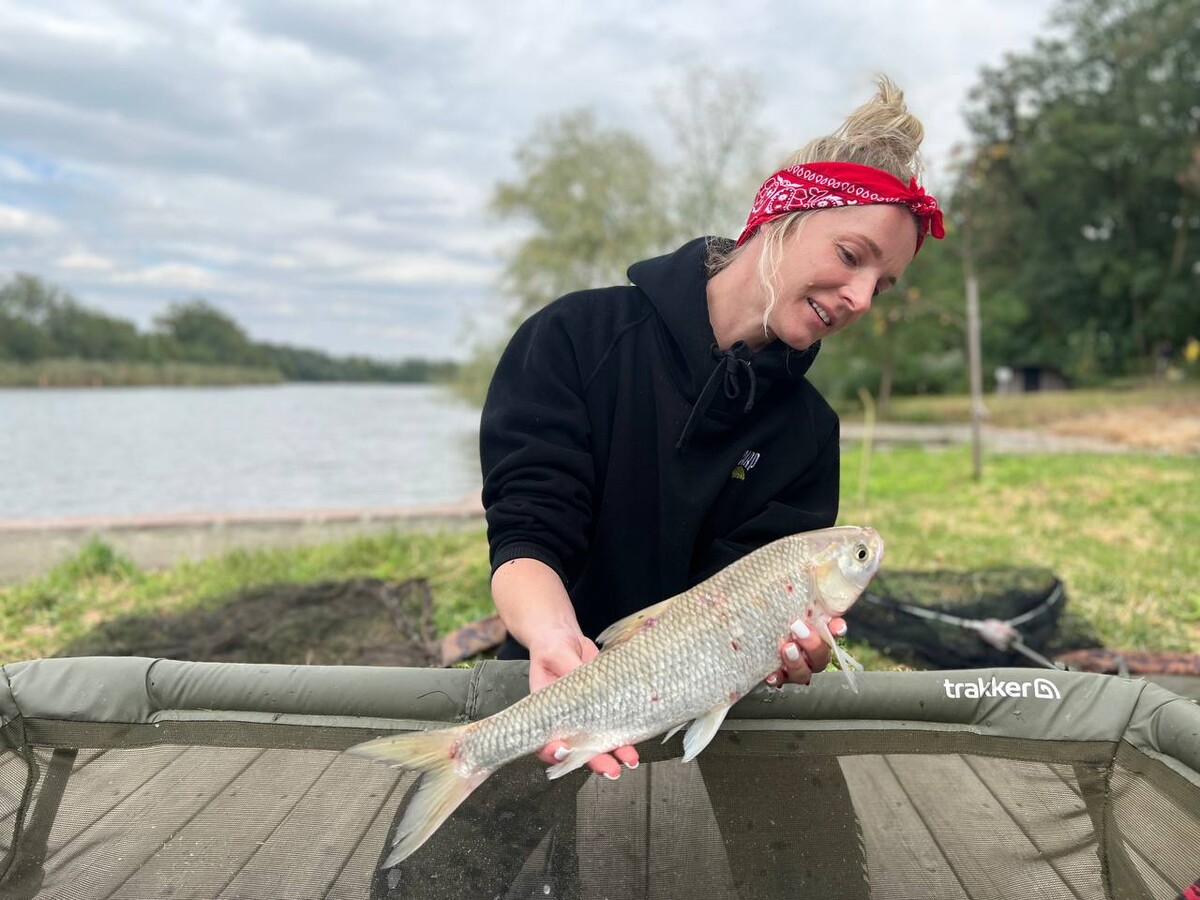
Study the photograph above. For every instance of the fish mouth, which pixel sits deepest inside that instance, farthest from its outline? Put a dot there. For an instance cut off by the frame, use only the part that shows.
(821, 312)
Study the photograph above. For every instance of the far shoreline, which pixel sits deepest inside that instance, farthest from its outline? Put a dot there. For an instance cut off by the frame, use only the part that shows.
(87, 373)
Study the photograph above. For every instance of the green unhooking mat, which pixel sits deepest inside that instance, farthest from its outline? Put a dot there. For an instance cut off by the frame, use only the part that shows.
(141, 778)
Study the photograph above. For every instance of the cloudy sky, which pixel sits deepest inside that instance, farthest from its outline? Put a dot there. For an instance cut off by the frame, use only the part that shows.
(321, 170)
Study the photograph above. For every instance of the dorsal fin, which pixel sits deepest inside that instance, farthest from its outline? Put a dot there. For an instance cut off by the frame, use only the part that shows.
(623, 629)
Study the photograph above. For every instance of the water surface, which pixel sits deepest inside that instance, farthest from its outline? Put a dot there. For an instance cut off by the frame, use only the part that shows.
(121, 451)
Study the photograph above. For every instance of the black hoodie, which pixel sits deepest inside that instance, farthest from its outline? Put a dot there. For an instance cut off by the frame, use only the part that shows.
(621, 448)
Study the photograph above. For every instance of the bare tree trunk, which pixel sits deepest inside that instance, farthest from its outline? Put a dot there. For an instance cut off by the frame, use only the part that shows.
(887, 374)
(974, 364)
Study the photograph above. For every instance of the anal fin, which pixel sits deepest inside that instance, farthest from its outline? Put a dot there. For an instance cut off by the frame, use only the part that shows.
(578, 755)
(703, 730)
(676, 730)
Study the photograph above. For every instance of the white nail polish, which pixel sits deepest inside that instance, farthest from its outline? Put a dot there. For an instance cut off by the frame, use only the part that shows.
(633, 765)
(800, 630)
(561, 753)
(611, 777)
(791, 652)
(841, 630)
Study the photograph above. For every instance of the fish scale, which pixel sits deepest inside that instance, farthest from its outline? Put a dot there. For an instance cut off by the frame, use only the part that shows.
(689, 658)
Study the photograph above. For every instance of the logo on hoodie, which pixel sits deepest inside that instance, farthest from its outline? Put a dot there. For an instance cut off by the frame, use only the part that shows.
(748, 461)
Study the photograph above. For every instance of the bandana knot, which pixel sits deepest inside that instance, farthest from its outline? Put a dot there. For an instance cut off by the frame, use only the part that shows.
(826, 185)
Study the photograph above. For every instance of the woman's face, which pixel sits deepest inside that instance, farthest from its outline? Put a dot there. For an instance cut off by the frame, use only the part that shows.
(833, 268)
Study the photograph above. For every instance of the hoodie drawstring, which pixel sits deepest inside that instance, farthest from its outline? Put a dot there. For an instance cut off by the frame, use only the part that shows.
(729, 362)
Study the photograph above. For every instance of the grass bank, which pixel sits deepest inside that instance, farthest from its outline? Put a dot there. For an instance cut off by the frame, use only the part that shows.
(1120, 531)
(102, 373)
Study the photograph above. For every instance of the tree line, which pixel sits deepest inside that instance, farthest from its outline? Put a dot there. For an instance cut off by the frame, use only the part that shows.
(1077, 196)
(40, 322)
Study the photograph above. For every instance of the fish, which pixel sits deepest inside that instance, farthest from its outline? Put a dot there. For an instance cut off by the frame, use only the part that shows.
(679, 663)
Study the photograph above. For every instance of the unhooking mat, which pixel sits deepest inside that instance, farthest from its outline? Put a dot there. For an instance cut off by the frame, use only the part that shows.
(140, 778)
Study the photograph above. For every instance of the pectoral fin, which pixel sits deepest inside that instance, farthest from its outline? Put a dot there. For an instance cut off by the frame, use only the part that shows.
(847, 663)
(702, 730)
(623, 629)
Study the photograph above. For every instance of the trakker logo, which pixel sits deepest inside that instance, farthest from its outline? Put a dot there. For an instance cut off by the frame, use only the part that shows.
(1042, 688)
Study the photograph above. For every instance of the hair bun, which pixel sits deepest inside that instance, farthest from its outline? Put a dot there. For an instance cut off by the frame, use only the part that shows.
(880, 133)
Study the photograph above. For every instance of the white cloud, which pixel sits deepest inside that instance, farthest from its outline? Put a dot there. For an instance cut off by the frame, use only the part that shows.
(172, 276)
(429, 270)
(15, 221)
(15, 171)
(83, 261)
(280, 159)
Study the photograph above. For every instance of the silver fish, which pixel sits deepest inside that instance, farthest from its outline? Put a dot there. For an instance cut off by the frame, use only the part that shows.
(686, 659)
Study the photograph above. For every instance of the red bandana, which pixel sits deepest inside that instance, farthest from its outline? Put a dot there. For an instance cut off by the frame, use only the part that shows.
(822, 185)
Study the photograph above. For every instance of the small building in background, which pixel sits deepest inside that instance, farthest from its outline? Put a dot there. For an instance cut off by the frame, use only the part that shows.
(1028, 378)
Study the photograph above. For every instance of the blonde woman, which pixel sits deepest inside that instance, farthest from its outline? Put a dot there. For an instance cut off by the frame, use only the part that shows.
(636, 439)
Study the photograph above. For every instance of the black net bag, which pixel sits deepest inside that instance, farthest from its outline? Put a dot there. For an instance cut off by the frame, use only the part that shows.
(953, 619)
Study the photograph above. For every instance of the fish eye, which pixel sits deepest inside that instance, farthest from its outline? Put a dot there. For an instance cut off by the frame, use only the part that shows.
(861, 553)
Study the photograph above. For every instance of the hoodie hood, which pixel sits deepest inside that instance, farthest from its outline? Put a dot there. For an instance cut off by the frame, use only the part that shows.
(721, 385)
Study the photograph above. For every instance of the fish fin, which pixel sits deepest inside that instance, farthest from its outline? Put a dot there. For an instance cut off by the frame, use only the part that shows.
(676, 730)
(441, 788)
(702, 730)
(577, 755)
(847, 663)
(623, 629)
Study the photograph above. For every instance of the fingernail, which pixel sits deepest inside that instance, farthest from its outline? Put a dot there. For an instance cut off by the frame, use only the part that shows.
(772, 680)
(561, 753)
(612, 777)
(800, 630)
(632, 765)
(792, 652)
(841, 629)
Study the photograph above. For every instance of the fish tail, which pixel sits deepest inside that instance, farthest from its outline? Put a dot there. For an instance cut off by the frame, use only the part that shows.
(441, 789)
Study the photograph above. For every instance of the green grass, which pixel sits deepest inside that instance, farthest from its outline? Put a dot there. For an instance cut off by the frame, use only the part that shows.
(1120, 530)
(41, 616)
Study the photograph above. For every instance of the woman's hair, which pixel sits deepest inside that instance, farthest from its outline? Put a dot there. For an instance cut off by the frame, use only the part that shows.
(880, 133)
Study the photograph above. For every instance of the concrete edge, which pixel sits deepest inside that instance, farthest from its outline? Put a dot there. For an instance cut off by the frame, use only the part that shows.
(31, 547)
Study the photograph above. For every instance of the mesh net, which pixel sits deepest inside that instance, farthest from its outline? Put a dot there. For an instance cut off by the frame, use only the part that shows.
(249, 810)
(898, 616)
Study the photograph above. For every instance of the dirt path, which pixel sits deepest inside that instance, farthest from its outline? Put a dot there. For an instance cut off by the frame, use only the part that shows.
(1174, 429)
(1141, 431)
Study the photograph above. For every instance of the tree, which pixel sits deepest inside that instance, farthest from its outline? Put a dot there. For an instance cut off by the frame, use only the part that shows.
(595, 200)
(719, 147)
(202, 333)
(24, 303)
(599, 199)
(1083, 188)
(82, 333)
(38, 320)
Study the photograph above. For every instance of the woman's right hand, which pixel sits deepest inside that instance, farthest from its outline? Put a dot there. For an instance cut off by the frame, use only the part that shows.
(552, 654)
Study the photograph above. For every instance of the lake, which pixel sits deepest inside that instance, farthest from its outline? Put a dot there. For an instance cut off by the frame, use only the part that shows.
(121, 451)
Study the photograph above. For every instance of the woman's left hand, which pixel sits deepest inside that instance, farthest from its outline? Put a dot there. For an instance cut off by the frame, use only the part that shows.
(803, 653)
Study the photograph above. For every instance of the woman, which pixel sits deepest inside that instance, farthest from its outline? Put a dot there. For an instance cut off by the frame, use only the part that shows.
(636, 439)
